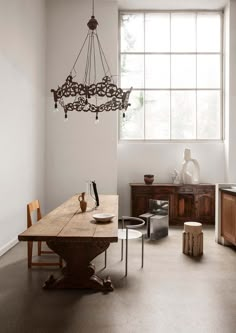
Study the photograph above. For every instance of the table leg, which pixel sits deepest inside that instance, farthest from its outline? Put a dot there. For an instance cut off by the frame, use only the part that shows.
(78, 272)
(148, 227)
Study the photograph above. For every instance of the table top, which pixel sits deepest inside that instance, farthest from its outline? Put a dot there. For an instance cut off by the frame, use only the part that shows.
(170, 184)
(67, 222)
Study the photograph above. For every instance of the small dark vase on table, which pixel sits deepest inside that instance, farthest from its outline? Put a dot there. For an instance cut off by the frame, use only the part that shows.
(148, 179)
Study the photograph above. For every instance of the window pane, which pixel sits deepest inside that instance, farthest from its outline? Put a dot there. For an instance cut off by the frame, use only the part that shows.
(183, 32)
(132, 67)
(208, 71)
(208, 33)
(157, 71)
(208, 114)
(157, 115)
(173, 62)
(183, 113)
(183, 71)
(157, 32)
(132, 33)
(132, 126)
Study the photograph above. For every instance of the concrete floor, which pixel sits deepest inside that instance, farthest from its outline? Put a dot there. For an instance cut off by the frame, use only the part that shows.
(173, 293)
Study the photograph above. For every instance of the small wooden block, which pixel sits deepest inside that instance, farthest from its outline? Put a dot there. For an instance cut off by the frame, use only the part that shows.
(193, 227)
(192, 244)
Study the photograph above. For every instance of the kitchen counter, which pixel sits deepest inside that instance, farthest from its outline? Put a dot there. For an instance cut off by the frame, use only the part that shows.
(228, 215)
(229, 190)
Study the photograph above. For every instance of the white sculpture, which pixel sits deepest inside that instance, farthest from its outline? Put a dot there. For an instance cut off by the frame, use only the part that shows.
(190, 172)
(176, 177)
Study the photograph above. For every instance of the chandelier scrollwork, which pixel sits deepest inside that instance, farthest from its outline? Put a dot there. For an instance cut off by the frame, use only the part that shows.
(90, 95)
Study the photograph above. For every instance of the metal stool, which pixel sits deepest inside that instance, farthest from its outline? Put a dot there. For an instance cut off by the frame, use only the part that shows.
(127, 232)
(157, 219)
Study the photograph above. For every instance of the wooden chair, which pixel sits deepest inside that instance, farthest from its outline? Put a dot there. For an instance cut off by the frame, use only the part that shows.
(31, 207)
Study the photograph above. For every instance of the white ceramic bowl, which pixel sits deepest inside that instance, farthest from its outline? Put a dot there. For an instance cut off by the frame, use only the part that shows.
(103, 217)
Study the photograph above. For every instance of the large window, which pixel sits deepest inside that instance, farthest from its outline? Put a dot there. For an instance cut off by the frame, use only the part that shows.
(173, 61)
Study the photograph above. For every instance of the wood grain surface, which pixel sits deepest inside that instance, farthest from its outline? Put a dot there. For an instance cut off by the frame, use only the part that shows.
(77, 238)
(68, 222)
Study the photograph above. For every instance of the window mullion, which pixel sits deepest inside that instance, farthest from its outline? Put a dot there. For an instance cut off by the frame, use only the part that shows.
(196, 78)
(170, 86)
(221, 82)
(144, 81)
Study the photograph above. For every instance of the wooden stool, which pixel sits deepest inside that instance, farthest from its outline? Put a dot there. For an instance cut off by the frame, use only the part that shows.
(193, 239)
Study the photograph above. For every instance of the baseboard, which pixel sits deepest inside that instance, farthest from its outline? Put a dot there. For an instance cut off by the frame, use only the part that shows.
(8, 246)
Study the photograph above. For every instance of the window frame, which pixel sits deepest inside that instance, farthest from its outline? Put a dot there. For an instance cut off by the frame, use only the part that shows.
(221, 89)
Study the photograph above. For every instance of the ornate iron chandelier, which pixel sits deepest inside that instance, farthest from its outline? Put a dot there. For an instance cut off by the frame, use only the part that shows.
(90, 95)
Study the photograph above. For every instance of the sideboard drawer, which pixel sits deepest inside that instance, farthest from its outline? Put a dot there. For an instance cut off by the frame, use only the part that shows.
(143, 189)
(185, 189)
(163, 189)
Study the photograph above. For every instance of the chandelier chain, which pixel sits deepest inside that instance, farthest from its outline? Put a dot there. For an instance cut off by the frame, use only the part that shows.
(90, 59)
(104, 57)
(101, 56)
(87, 62)
(73, 67)
(94, 62)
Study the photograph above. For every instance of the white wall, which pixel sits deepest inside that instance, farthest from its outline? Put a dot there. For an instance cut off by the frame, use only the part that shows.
(78, 150)
(160, 159)
(230, 91)
(22, 107)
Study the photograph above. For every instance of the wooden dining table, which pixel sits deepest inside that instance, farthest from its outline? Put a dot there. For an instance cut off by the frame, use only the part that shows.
(78, 239)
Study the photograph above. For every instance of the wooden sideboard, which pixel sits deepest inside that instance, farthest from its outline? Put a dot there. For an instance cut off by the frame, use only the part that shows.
(228, 215)
(186, 202)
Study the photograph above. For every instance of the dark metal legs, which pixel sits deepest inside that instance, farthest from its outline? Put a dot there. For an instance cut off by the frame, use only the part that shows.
(126, 252)
(142, 250)
(105, 261)
(122, 249)
(148, 227)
